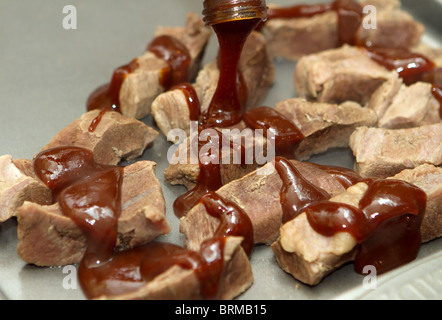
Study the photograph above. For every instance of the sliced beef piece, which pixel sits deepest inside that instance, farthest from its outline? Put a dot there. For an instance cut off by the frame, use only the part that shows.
(170, 109)
(293, 38)
(17, 185)
(310, 256)
(324, 125)
(428, 178)
(117, 137)
(339, 75)
(48, 238)
(382, 153)
(177, 283)
(142, 86)
(258, 194)
(412, 106)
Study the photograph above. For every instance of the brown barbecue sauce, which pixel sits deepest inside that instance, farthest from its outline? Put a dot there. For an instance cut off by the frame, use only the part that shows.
(411, 67)
(107, 97)
(386, 225)
(226, 108)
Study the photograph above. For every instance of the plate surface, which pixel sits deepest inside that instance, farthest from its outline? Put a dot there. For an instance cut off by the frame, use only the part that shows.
(47, 73)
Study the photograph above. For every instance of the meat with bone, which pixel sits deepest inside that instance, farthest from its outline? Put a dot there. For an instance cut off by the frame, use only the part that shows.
(180, 283)
(394, 28)
(338, 75)
(382, 153)
(323, 125)
(258, 194)
(48, 238)
(171, 109)
(116, 137)
(148, 75)
(310, 256)
(18, 185)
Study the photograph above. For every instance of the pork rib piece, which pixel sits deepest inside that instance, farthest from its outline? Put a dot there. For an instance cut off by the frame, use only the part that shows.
(117, 137)
(142, 86)
(309, 256)
(48, 238)
(339, 75)
(395, 28)
(382, 153)
(17, 185)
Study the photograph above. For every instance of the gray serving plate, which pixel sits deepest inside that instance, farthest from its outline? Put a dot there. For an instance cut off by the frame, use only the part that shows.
(46, 75)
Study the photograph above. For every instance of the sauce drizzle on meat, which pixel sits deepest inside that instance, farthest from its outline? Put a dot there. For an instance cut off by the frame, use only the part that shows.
(349, 16)
(411, 67)
(90, 194)
(386, 224)
(107, 97)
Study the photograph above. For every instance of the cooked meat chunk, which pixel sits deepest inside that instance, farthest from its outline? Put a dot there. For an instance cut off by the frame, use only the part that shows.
(171, 110)
(48, 238)
(394, 29)
(324, 126)
(258, 194)
(382, 153)
(413, 106)
(18, 185)
(310, 256)
(185, 169)
(339, 75)
(142, 86)
(116, 137)
(178, 283)
(428, 178)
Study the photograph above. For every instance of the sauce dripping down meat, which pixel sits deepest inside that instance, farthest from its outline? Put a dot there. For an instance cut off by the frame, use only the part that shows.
(386, 224)
(107, 97)
(297, 192)
(285, 133)
(176, 55)
(90, 194)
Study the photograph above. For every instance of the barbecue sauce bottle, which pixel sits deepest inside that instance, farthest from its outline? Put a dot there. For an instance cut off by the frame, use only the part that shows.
(232, 21)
